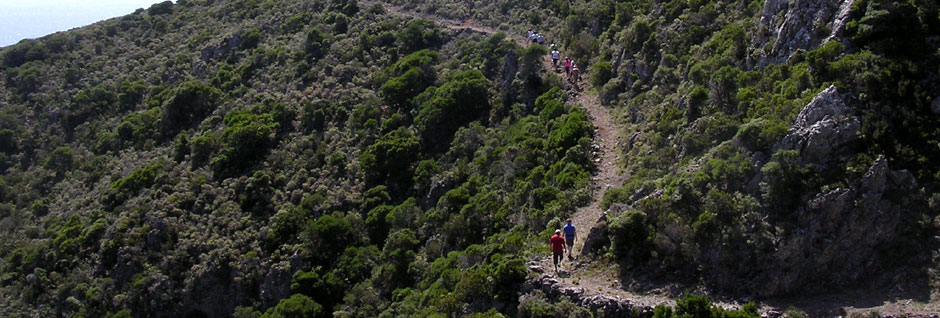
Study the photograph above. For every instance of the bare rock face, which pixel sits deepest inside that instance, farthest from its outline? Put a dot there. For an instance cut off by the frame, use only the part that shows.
(824, 130)
(840, 233)
(787, 26)
(935, 106)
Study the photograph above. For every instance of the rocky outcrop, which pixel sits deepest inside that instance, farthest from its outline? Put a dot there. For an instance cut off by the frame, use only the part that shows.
(597, 238)
(842, 234)
(823, 131)
(787, 26)
(935, 106)
(610, 306)
(223, 48)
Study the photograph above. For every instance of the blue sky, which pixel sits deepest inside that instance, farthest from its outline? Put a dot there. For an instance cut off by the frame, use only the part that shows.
(22, 19)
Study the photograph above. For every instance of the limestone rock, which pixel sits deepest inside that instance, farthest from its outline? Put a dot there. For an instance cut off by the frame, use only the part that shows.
(935, 106)
(798, 24)
(611, 306)
(824, 129)
(839, 232)
(597, 238)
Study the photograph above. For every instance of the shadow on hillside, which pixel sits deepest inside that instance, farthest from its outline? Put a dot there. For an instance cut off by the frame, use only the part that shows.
(911, 284)
(897, 286)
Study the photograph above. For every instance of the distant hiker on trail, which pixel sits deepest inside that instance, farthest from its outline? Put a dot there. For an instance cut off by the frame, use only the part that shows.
(575, 73)
(541, 39)
(555, 58)
(530, 34)
(570, 235)
(534, 37)
(553, 46)
(567, 66)
(558, 248)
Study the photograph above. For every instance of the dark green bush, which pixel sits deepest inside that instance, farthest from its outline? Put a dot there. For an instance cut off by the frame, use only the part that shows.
(60, 160)
(419, 34)
(297, 306)
(760, 134)
(187, 105)
(8, 144)
(462, 99)
(390, 159)
(22, 52)
(250, 38)
(164, 7)
(573, 126)
(245, 141)
(601, 72)
(785, 180)
(129, 186)
(631, 236)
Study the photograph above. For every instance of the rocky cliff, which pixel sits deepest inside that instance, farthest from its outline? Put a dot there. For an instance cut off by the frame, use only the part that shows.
(788, 26)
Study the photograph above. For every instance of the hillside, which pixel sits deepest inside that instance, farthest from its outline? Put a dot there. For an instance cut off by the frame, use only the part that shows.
(408, 158)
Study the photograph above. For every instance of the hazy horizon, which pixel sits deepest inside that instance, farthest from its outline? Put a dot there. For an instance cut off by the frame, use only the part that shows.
(30, 19)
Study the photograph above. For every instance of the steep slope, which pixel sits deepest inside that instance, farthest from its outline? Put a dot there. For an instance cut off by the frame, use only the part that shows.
(291, 158)
(152, 168)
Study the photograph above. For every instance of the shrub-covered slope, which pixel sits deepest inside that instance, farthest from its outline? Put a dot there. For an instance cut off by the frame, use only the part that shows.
(782, 147)
(774, 147)
(219, 158)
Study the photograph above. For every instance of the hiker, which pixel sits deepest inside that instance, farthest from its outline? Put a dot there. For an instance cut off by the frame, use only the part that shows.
(558, 248)
(575, 73)
(530, 34)
(553, 46)
(570, 235)
(541, 39)
(567, 66)
(555, 59)
(534, 37)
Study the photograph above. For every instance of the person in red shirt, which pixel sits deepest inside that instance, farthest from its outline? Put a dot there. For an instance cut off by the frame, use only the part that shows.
(558, 248)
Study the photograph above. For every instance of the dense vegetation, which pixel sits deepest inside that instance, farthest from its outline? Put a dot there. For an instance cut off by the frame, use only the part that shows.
(278, 160)
(287, 159)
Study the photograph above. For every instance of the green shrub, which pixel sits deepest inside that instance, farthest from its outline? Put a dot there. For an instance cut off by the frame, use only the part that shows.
(165, 7)
(60, 160)
(391, 157)
(601, 72)
(785, 180)
(631, 236)
(8, 144)
(574, 126)
(760, 134)
(461, 100)
(245, 141)
(419, 34)
(129, 186)
(251, 38)
(297, 22)
(187, 105)
(297, 306)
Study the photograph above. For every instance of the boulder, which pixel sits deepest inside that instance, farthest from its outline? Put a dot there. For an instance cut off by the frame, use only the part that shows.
(597, 238)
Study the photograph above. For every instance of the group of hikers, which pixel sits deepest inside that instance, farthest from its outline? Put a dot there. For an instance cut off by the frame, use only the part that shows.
(561, 244)
(572, 71)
